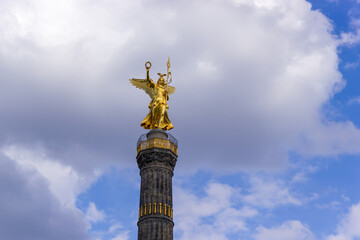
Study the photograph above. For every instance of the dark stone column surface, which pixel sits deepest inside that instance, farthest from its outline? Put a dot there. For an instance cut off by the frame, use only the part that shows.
(156, 206)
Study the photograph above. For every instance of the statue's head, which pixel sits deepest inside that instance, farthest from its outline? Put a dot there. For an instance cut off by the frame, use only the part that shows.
(161, 81)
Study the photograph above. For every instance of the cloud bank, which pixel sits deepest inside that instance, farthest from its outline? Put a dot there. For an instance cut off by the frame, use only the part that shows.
(30, 211)
(252, 79)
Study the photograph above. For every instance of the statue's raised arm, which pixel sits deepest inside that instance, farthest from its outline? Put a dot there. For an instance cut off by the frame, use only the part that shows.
(149, 80)
(147, 84)
(157, 117)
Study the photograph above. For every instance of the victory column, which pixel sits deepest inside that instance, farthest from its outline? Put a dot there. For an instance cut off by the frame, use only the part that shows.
(156, 159)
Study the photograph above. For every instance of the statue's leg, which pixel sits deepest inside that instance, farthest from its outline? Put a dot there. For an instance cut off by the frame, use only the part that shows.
(155, 116)
(161, 113)
(153, 119)
(167, 123)
(146, 123)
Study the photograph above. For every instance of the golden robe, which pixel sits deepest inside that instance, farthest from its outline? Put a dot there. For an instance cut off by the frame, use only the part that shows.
(157, 117)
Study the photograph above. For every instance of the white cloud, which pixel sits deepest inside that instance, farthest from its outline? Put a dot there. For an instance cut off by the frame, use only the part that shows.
(232, 220)
(330, 205)
(64, 182)
(355, 100)
(115, 232)
(302, 175)
(269, 194)
(115, 227)
(349, 229)
(122, 236)
(345, 198)
(207, 68)
(94, 215)
(290, 230)
(350, 38)
(29, 210)
(351, 65)
(212, 216)
(321, 140)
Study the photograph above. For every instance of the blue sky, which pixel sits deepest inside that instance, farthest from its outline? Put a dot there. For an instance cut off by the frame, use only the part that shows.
(266, 112)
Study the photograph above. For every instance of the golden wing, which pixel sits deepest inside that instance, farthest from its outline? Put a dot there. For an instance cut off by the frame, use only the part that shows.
(170, 90)
(144, 84)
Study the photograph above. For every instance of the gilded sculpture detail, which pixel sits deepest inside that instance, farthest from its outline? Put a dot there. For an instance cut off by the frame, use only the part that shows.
(157, 117)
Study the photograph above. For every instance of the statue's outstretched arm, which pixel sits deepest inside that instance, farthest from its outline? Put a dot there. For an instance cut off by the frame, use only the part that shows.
(148, 79)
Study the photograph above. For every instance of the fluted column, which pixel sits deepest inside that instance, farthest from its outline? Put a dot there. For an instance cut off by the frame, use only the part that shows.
(156, 160)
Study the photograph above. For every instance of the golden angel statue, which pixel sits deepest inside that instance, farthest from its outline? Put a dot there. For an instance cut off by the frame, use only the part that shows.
(159, 94)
